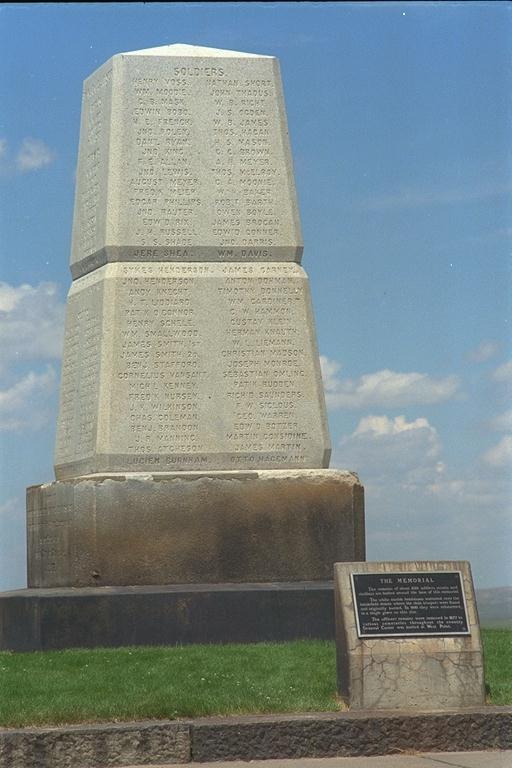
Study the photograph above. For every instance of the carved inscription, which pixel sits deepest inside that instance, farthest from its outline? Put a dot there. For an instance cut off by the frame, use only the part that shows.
(213, 360)
(78, 412)
(263, 364)
(190, 157)
(207, 160)
(48, 533)
(189, 337)
(91, 187)
(159, 365)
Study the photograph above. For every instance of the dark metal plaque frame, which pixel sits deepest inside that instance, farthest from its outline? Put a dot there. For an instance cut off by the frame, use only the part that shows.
(359, 605)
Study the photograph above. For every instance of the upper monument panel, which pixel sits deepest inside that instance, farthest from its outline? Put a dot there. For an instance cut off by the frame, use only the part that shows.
(184, 156)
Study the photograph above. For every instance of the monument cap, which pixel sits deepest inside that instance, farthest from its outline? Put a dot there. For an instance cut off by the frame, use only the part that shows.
(184, 156)
(183, 49)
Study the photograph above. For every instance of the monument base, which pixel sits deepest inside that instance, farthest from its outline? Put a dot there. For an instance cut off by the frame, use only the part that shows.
(194, 528)
(46, 619)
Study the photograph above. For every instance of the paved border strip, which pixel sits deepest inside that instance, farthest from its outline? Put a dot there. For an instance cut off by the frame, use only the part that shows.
(263, 737)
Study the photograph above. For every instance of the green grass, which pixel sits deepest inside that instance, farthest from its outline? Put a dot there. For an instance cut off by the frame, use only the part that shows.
(57, 687)
(190, 681)
(498, 664)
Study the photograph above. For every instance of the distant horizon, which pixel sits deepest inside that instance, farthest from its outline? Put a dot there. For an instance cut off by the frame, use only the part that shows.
(399, 121)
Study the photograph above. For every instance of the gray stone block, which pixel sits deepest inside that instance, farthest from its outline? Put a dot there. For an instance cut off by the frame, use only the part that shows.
(417, 672)
(184, 156)
(95, 746)
(346, 734)
(190, 366)
(186, 528)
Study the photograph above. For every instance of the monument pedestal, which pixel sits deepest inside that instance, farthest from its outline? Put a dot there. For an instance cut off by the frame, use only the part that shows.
(188, 557)
(193, 528)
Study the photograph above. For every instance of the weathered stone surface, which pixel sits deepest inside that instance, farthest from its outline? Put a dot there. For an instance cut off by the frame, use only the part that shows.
(190, 366)
(184, 156)
(348, 734)
(194, 528)
(263, 737)
(428, 673)
(95, 746)
(98, 617)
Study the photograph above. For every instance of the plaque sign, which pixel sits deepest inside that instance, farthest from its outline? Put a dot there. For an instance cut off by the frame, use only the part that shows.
(409, 604)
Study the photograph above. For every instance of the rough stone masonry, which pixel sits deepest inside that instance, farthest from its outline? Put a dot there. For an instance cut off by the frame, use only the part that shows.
(192, 441)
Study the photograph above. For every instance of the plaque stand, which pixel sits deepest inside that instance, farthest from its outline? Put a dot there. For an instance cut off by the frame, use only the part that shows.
(431, 659)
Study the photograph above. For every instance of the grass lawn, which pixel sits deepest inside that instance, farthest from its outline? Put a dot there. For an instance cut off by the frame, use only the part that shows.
(117, 684)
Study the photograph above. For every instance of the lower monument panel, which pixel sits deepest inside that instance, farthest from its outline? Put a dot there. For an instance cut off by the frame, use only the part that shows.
(194, 528)
(45, 619)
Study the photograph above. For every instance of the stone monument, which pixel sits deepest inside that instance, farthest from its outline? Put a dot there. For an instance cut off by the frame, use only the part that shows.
(192, 442)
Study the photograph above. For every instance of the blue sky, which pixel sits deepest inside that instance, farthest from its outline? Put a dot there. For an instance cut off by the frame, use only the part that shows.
(400, 122)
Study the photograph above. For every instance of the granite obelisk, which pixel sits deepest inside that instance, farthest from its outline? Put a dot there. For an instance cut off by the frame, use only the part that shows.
(189, 340)
(192, 443)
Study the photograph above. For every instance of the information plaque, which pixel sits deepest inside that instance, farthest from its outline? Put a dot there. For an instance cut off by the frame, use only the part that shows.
(409, 603)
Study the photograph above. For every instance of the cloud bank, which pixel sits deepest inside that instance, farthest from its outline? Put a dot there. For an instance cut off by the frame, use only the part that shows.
(418, 508)
(381, 448)
(31, 322)
(484, 351)
(31, 334)
(22, 405)
(503, 372)
(386, 389)
(32, 155)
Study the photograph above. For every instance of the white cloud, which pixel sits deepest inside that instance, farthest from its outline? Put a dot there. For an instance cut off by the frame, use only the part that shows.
(500, 455)
(33, 155)
(31, 322)
(330, 370)
(481, 491)
(384, 450)
(502, 422)
(31, 330)
(11, 296)
(393, 455)
(503, 373)
(382, 425)
(3, 148)
(387, 389)
(23, 404)
(416, 509)
(484, 351)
